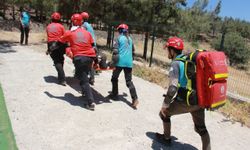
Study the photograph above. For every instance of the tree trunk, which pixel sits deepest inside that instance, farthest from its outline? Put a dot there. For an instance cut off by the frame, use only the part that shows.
(145, 46)
(222, 41)
(213, 29)
(109, 36)
(36, 12)
(41, 14)
(4, 9)
(13, 12)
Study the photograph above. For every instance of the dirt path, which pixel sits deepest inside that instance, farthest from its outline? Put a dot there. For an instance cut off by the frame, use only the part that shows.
(47, 116)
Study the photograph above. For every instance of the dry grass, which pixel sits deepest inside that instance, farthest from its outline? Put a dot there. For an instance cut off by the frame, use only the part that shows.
(153, 75)
(237, 111)
(34, 38)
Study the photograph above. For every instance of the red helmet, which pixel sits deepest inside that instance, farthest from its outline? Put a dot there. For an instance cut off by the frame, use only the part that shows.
(76, 19)
(56, 16)
(85, 15)
(122, 26)
(175, 42)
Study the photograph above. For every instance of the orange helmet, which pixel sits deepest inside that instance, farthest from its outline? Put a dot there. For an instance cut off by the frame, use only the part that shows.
(76, 19)
(85, 15)
(122, 26)
(56, 16)
(175, 42)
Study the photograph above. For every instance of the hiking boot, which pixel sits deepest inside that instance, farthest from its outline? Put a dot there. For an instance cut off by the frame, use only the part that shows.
(135, 103)
(90, 106)
(161, 139)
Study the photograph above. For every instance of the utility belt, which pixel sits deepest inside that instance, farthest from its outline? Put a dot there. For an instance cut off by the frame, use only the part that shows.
(54, 45)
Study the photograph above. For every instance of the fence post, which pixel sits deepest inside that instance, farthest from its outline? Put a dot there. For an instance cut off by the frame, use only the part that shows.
(109, 35)
(113, 36)
(145, 45)
(152, 48)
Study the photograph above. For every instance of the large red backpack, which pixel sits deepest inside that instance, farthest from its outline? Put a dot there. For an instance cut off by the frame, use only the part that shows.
(207, 75)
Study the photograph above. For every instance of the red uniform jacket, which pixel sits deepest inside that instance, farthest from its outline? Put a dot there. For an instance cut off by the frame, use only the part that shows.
(80, 41)
(54, 32)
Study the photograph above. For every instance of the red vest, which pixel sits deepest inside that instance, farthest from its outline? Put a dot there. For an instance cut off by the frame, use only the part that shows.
(54, 31)
(80, 42)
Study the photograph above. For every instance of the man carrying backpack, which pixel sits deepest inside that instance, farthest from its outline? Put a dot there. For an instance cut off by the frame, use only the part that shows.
(173, 104)
(24, 26)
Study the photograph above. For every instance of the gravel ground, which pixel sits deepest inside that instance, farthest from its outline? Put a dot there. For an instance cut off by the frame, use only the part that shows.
(47, 116)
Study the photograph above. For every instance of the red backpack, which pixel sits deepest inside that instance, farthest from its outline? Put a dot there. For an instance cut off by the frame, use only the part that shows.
(207, 75)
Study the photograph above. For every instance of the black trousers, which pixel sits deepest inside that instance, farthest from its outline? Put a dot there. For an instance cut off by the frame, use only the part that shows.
(92, 74)
(58, 58)
(128, 78)
(24, 32)
(82, 67)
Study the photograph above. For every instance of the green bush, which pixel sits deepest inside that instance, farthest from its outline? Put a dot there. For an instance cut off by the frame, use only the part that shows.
(235, 48)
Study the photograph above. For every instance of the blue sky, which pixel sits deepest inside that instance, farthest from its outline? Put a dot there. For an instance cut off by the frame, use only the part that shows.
(235, 8)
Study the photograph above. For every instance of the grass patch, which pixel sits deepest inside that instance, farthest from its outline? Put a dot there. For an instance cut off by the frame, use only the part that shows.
(237, 111)
(153, 75)
(7, 140)
(234, 110)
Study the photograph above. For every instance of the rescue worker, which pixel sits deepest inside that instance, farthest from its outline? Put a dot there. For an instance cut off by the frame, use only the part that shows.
(87, 25)
(82, 51)
(89, 28)
(173, 104)
(56, 48)
(124, 49)
(24, 25)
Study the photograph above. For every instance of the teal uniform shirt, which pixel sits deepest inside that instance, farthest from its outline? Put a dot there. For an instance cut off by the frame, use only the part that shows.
(89, 28)
(25, 18)
(125, 46)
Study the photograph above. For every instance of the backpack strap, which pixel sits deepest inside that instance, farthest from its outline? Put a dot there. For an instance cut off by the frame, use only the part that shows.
(186, 60)
(181, 58)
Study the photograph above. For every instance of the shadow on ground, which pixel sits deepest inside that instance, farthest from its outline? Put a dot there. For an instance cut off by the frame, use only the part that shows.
(80, 101)
(6, 46)
(123, 98)
(51, 79)
(70, 98)
(175, 145)
(74, 84)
